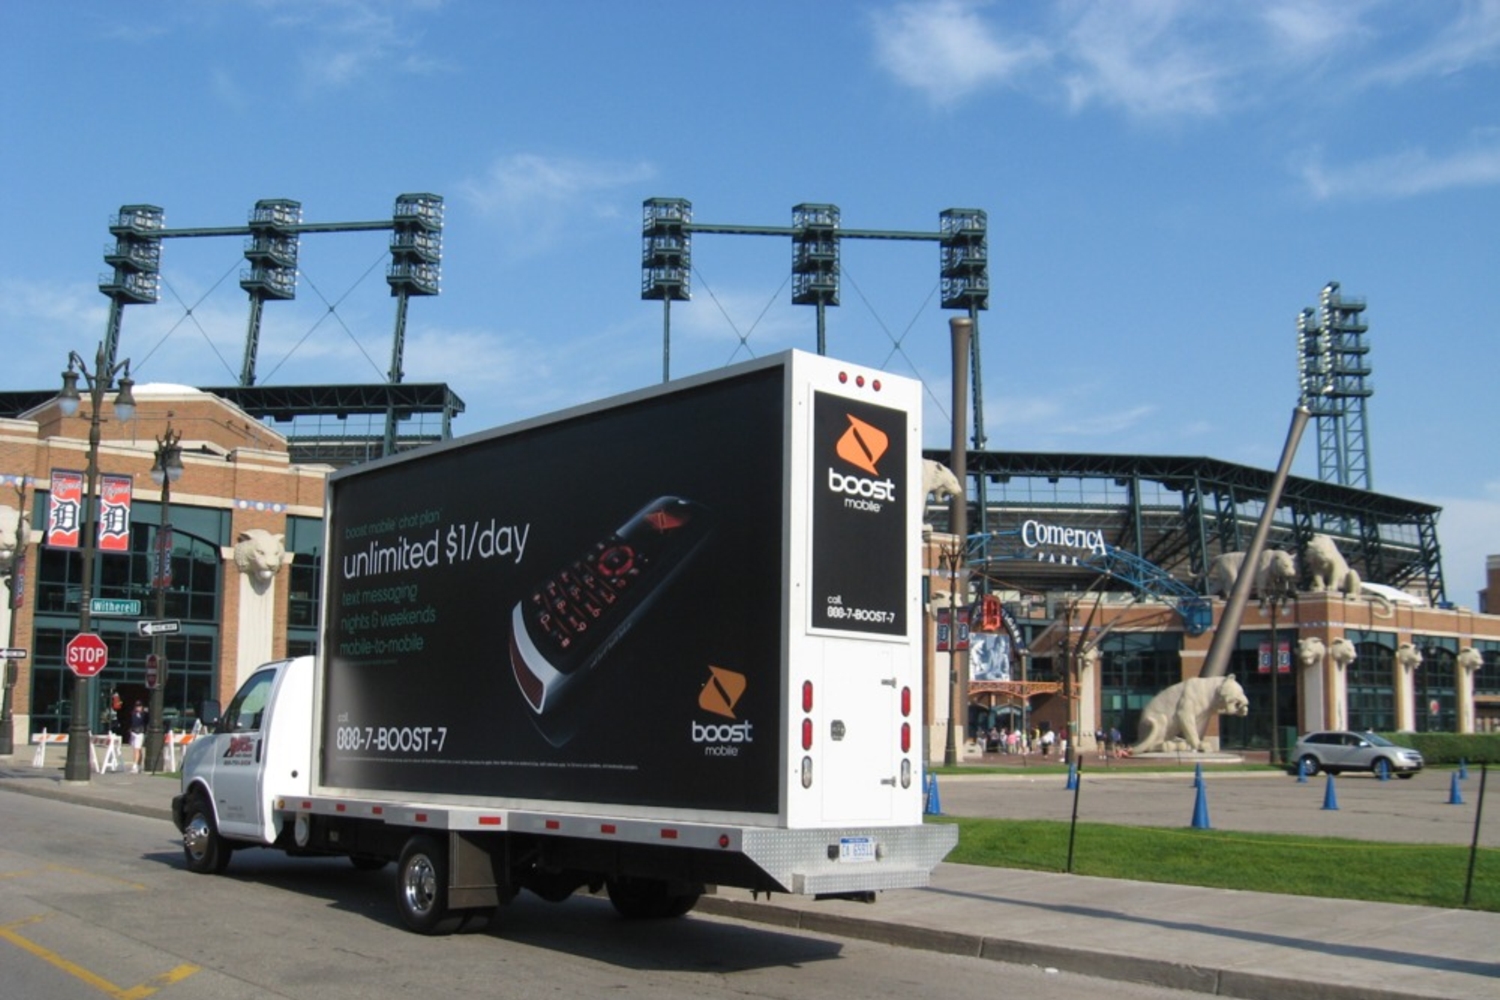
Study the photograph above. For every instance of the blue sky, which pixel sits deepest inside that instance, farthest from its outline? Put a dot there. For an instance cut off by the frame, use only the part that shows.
(1167, 184)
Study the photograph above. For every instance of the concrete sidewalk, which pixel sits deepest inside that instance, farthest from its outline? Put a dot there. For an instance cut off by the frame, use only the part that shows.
(1219, 942)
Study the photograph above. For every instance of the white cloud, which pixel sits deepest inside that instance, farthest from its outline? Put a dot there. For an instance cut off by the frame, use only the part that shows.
(535, 198)
(1304, 29)
(1140, 56)
(947, 51)
(1471, 39)
(1468, 530)
(1406, 174)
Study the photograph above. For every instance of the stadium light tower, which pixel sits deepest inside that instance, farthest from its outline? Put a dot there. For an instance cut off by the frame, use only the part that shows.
(815, 262)
(416, 269)
(666, 262)
(271, 250)
(135, 258)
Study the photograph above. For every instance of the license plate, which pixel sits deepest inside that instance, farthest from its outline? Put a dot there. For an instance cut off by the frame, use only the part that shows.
(856, 849)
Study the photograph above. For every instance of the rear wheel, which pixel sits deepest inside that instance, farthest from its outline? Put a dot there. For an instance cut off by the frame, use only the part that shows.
(649, 899)
(205, 851)
(422, 887)
(1308, 764)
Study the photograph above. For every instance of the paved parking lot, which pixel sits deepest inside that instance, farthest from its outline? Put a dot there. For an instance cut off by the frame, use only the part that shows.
(1415, 810)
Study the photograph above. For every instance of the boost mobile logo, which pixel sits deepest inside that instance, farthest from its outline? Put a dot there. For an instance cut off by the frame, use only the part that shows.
(721, 691)
(862, 446)
(720, 694)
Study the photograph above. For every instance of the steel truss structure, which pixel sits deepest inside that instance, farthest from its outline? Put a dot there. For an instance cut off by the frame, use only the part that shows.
(1178, 514)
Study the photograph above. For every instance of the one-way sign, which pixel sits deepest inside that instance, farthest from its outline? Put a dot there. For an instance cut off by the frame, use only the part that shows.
(167, 627)
(10, 653)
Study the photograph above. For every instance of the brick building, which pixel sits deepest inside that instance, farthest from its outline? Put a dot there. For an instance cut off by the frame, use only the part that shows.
(246, 532)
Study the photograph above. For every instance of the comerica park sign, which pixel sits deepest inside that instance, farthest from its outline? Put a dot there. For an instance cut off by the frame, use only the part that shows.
(1035, 534)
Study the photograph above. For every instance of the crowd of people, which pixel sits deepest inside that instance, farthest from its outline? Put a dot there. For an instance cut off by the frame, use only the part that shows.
(1046, 741)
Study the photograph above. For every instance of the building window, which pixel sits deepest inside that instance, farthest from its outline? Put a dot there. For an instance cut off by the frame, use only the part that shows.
(304, 539)
(1435, 685)
(192, 600)
(1487, 687)
(1372, 682)
(1133, 669)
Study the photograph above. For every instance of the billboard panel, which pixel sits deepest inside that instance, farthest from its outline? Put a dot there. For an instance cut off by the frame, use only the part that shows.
(583, 610)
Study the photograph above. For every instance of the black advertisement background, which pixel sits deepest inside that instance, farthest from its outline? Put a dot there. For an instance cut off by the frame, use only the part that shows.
(574, 483)
(858, 556)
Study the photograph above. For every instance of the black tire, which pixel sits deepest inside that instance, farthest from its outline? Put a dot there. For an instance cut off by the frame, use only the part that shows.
(203, 849)
(1308, 764)
(422, 887)
(648, 899)
(1403, 775)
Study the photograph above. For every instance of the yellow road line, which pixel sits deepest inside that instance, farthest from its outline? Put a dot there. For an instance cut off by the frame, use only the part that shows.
(146, 989)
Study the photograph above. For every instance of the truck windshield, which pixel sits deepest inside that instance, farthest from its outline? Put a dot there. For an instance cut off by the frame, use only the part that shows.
(244, 713)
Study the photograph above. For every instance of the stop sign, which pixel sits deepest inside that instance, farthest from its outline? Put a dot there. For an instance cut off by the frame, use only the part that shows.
(87, 654)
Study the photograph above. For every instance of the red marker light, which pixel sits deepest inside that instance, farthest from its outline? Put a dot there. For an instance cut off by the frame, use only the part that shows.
(807, 734)
(807, 696)
(905, 702)
(906, 737)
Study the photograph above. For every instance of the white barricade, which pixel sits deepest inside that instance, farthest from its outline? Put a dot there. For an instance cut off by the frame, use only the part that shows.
(111, 745)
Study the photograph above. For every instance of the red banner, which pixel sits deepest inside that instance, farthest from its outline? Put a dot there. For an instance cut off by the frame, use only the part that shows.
(65, 509)
(161, 559)
(1283, 658)
(114, 513)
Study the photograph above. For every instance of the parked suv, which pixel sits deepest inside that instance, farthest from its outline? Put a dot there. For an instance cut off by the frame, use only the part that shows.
(1341, 750)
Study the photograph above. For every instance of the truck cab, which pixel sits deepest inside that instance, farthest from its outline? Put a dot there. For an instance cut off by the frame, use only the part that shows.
(258, 750)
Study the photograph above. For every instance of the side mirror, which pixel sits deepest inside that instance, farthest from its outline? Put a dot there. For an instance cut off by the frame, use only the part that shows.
(209, 714)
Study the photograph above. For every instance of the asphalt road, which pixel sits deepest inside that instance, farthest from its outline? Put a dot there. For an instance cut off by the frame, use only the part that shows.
(98, 903)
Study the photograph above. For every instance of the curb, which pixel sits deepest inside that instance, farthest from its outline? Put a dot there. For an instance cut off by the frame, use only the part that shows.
(1099, 964)
(60, 794)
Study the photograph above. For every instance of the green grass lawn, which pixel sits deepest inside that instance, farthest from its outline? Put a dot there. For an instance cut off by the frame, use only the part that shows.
(1421, 874)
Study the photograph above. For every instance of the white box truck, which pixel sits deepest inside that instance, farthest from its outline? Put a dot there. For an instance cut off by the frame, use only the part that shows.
(661, 643)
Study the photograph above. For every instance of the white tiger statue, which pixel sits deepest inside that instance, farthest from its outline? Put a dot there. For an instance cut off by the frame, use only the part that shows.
(1408, 657)
(1470, 659)
(1310, 652)
(1328, 568)
(259, 554)
(1183, 711)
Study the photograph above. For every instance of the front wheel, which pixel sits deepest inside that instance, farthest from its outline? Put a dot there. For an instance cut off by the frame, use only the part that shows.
(649, 899)
(422, 887)
(205, 851)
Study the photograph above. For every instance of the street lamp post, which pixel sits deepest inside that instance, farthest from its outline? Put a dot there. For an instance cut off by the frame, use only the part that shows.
(953, 558)
(14, 581)
(99, 381)
(166, 471)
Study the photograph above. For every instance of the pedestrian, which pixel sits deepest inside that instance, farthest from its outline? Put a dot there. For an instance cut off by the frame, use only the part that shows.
(138, 735)
(1048, 738)
(1114, 742)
